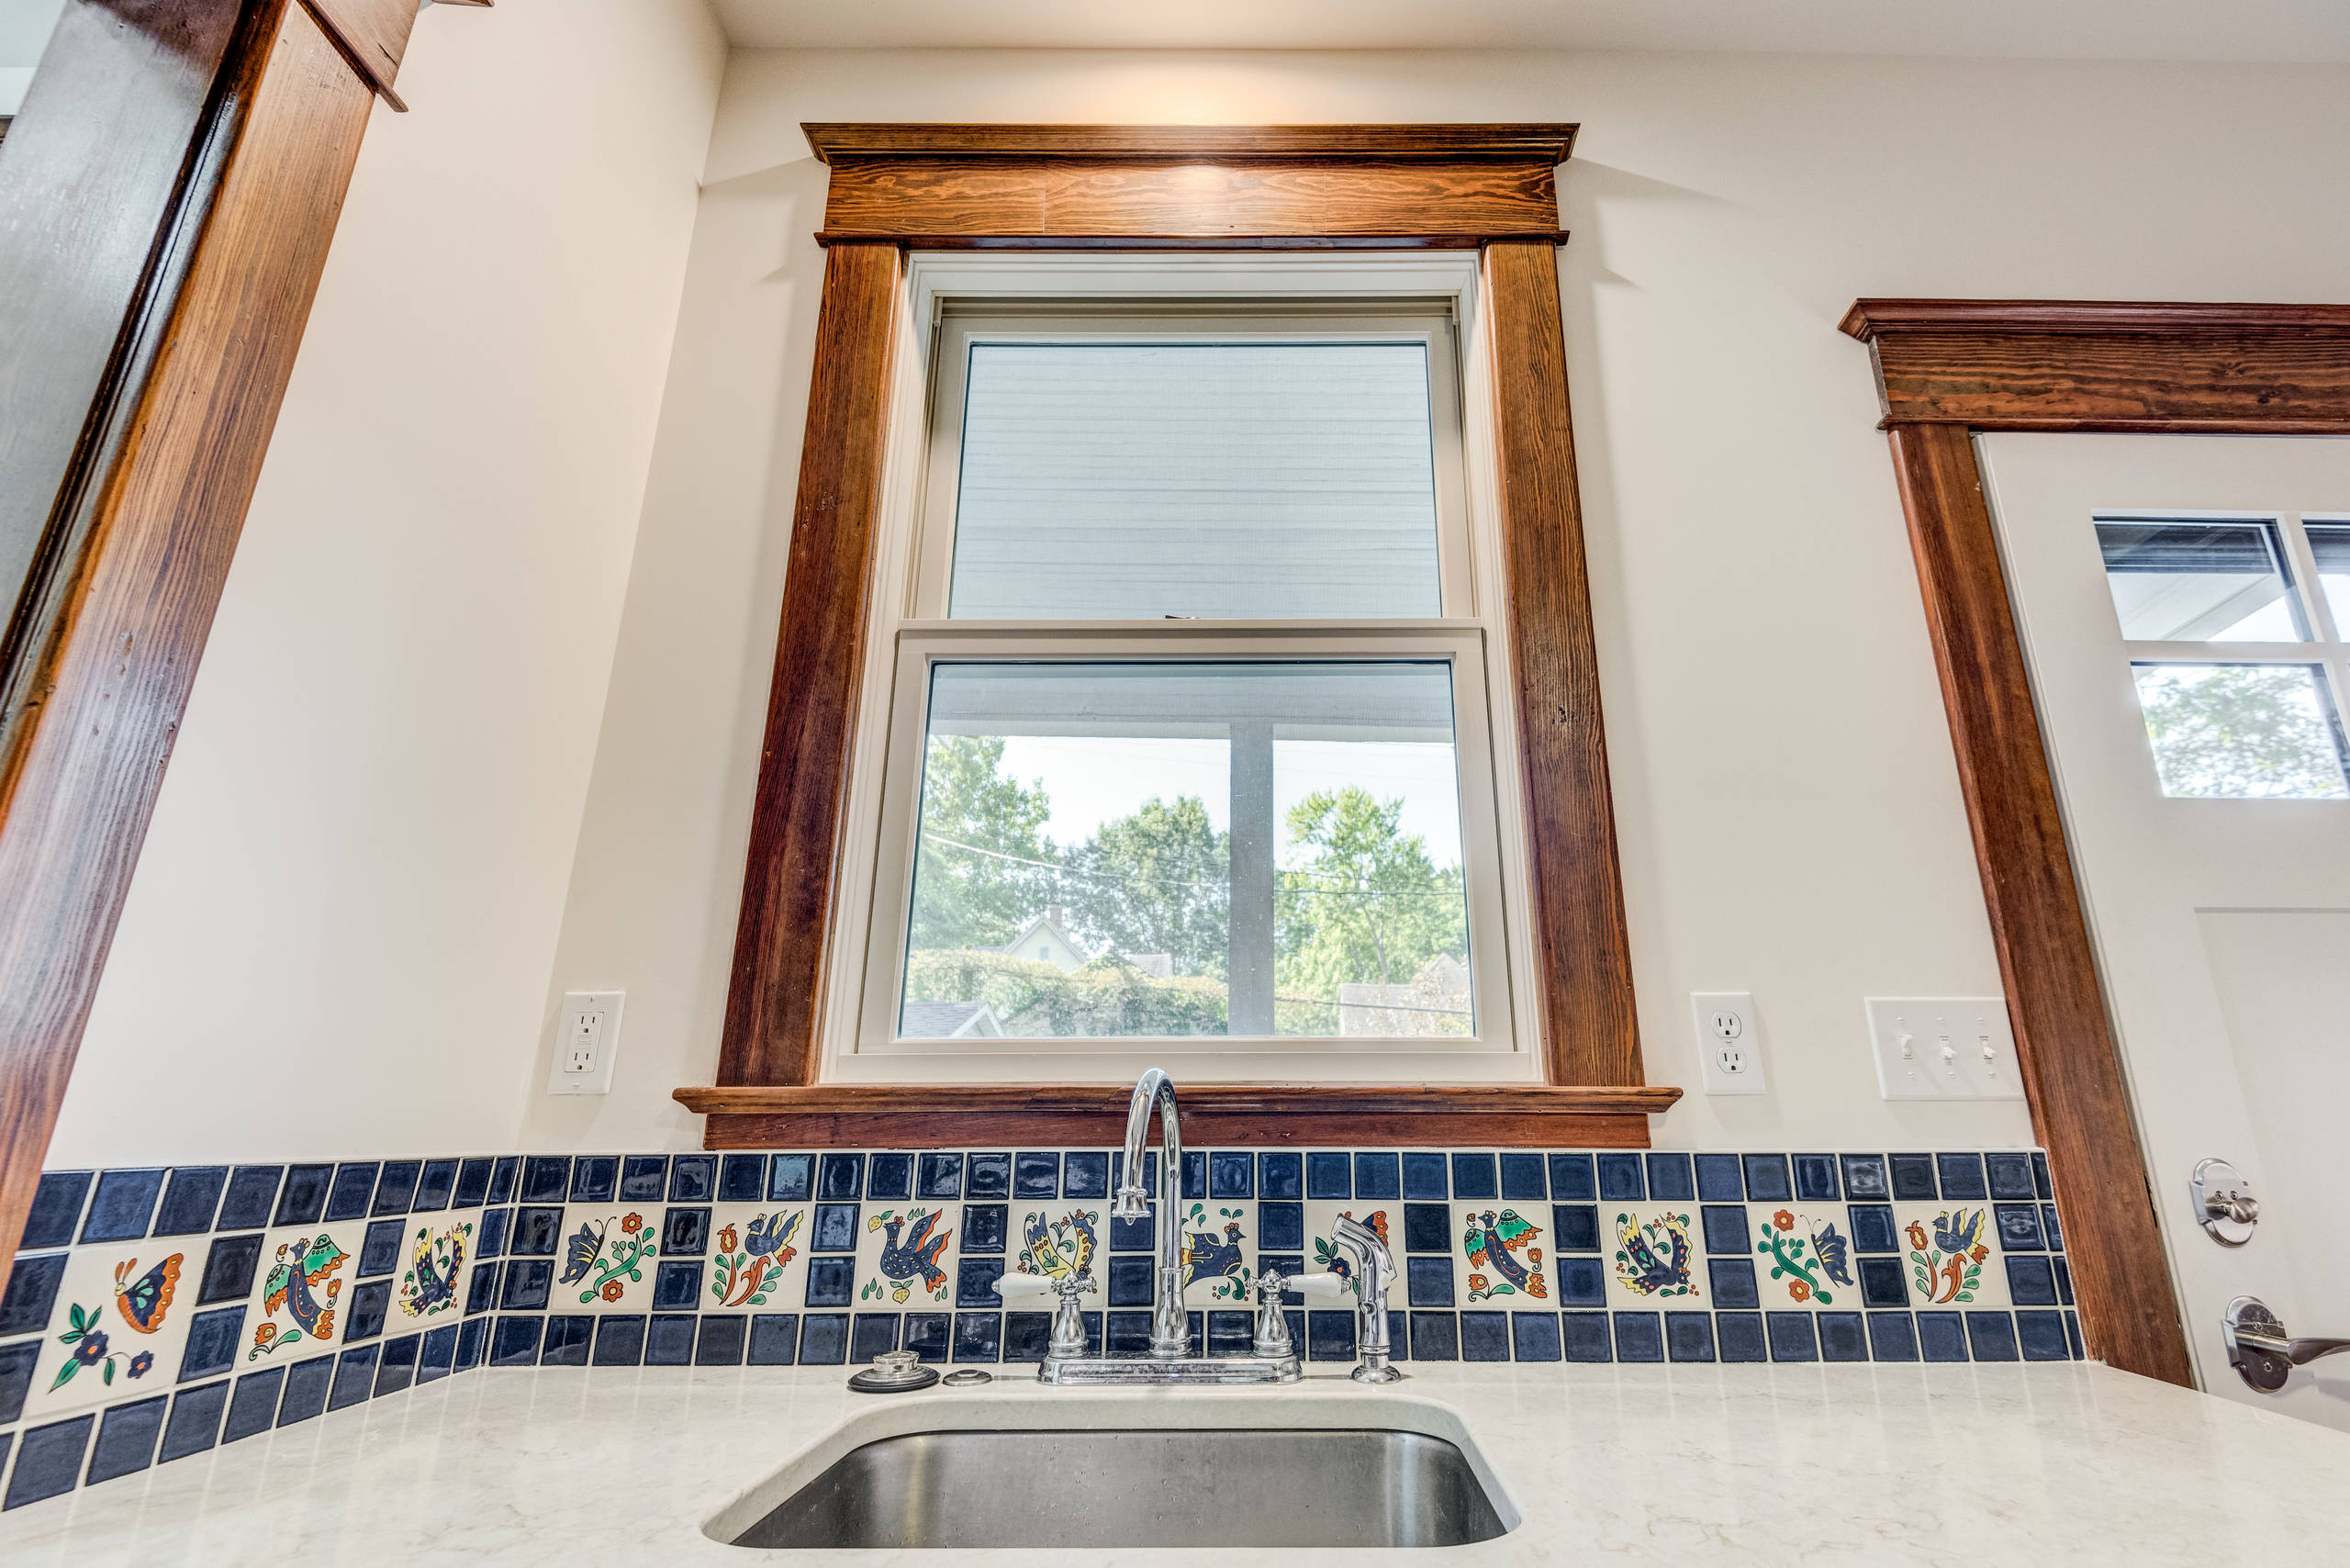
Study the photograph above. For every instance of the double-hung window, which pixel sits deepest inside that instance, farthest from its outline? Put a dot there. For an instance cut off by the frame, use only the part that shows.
(1187, 724)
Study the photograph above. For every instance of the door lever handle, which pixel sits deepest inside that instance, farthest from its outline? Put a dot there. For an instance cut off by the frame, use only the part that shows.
(2260, 1349)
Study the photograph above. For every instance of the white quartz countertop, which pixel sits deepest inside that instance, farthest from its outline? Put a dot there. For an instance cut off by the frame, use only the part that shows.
(1865, 1465)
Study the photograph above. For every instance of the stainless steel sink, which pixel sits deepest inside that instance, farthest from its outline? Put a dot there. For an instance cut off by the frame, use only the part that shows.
(1194, 1487)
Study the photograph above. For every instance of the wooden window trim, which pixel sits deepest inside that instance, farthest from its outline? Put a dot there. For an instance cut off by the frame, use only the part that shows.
(899, 187)
(1946, 368)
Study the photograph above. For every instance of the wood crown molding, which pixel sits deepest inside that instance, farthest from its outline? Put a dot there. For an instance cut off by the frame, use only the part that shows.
(1868, 318)
(1548, 145)
(372, 35)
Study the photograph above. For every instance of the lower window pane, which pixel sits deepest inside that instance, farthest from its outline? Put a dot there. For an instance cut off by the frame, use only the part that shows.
(2242, 732)
(1184, 849)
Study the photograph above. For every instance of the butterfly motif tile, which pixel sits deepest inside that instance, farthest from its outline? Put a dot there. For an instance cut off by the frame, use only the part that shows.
(606, 1260)
(1950, 1255)
(758, 1257)
(1803, 1255)
(119, 1326)
(906, 1254)
(1654, 1254)
(437, 1263)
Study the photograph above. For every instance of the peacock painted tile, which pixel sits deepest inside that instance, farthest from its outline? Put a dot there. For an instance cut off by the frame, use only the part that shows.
(606, 1258)
(1653, 1253)
(118, 1324)
(1948, 1251)
(757, 1257)
(1803, 1255)
(905, 1255)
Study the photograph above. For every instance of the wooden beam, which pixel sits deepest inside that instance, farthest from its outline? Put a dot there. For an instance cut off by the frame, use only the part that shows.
(372, 35)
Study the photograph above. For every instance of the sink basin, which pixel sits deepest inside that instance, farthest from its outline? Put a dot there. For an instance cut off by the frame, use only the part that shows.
(1113, 1487)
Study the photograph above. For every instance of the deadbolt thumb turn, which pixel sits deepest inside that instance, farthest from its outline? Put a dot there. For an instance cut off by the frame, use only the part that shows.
(2223, 1203)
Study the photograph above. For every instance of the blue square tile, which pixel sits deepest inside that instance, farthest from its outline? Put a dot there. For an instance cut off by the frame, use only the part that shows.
(395, 1187)
(31, 1294)
(1149, 1171)
(195, 1425)
(929, 1335)
(1622, 1180)
(307, 1384)
(835, 1228)
(1991, 1336)
(1739, 1337)
(1523, 1178)
(1913, 1178)
(515, 1343)
(1534, 1336)
(1892, 1336)
(2039, 1182)
(504, 1177)
(1131, 1280)
(472, 1184)
(354, 1375)
(397, 1369)
(840, 1178)
(2011, 1176)
(438, 1356)
(2064, 1280)
(1640, 1336)
(620, 1340)
(1196, 1175)
(546, 1178)
(16, 1379)
(979, 1336)
(252, 1409)
(1130, 1332)
(1584, 1337)
(2041, 1336)
(1582, 1282)
(940, 1176)
(677, 1286)
(125, 1442)
(1961, 1175)
(1026, 1335)
(1670, 1179)
(2018, 1227)
(123, 1205)
(1425, 1177)
(1036, 1175)
(1733, 1282)
(1330, 1176)
(380, 1252)
(2048, 1224)
(1574, 1227)
(871, 1334)
(1280, 1227)
(1873, 1228)
(1428, 1280)
(975, 1281)
(1132, 1235)
(1842, 1338)
(1287, 1265)
(1232, 1173)
(191, 1199)
(1941, 1337)
(1766, 1178)
(367, 1306)
(1792, 1338)
(831, 1282)
(984, 1225)
(693, 1177)
(481, 1294)
(644, 1178)
(741, 1177)
(1884, 1282)
(494, 1225)
(1865, 1177)
(1330, 1336)
(987, 1176)
(252, 1197)
(537, 1232)
(435, 1187)
(49, 1460)
(890, 1176)
(1475, 1176)
(1377, 1177)
(1427, 1228)
(775, 1340)
(303, 1199)
(669, 1339)
(527, 1283)
(1484, 1336)
(1572, 1179)
(1725, 1228)
(1815, 1177)
(57, 1209)
(1281, 1175)
(2032, 1282)
(1689, 1336)
(1085, 1173)
(719, 1342)
(472, 1338)
(791, 1178)
(1718, 1180)
(213, 1340)
(565, 1341)
(1436, 1337)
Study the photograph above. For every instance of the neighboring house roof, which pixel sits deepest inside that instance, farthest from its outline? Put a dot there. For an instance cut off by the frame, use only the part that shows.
(948, 1021)
(1048, 925)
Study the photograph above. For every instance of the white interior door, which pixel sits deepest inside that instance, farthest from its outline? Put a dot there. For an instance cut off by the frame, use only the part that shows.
(2182, 601)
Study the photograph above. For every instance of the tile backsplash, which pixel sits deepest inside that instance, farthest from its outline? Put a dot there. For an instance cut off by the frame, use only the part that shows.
(156, 1314)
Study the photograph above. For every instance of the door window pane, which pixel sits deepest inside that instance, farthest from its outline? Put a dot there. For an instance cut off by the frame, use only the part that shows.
(2330, 543)
(1132, 481)
(2198, 582)
(2242, 732)
(1128, 849)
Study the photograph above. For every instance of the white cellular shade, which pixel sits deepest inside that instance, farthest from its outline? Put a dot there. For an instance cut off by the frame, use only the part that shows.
(1240, 480)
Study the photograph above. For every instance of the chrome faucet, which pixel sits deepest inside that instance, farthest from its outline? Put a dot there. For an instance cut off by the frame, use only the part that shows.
(1170, 1334)
(1374, 1271)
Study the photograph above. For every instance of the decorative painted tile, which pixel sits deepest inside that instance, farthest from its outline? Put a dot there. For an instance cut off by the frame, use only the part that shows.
(1322, 1255)
(1503, 1249)
(1053, 1241)
(1219, 1252)
(117, 1327)
(905, 1254)
(606, 1260)
(1803, 1254)
(437, 1269)
(1654, 1253)
(304, 1274)
(1947, 1250)
(757, 1256)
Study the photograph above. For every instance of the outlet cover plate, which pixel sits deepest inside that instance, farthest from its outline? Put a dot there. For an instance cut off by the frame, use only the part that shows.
(589, 1021)
(1729, 1042)
(1943, 1047)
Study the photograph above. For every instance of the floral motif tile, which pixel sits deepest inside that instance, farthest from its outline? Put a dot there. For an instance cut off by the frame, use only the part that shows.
(1949, 1255)
(436, 1265)
(607, 1258)
(757, 1257)
(1653, 1253)
(906, 1254)
(301, 1291)
(1322, 1256)
(1803, 1255)
(118, 1325)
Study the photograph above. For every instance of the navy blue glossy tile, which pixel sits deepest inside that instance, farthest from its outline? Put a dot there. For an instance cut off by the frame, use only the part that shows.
(835, 1228)
(2041, 1336)
(2011, 1176)
(987, 1176)
(1991, 1336)
(49, 1460)
(741, 1177)
(979, 1336)
(1718, 1180)
(395, 1187)
(504, 1177)
(191, 1199)
(303, 1199)
(566, 1340)
(528, 1282)
(248, 1197)
(773, 1340)
(1026, 1335)
(307, 1383)
(252, 1409)
(1733, 1282)
(2018, 1227)
(791, 1178)
(1622, 1180)
(984, 1226)
(719, 1343)
(1329, 1175)
(940, 1176)
(1874, 1230)
(16, 1379)
(354, 1376)
(1572, 1179)
(496, 1225)
(2039, 1182)
(1792, 1338)
(1671, 1180)
(1865, 1177)
(1232, 1173)
(1036, 1175)
(975, 1281)
(1523, 1178)
(693, 1177)
(1196, 1175)
(1130, 1280)
(2049, 1227)
(1436, 1337)
(595, 1178)
(2064, 1280)
(1425, 1177)
(840, 1178)
(481, 1294)
(1725, 1228)
(1585, 1336)
(547, 1177)
(537, 1232)
(669, 1339)
(397, 1371)
(890, 1176)
(1962, 1176)
(473, 1184)
(1766, 1178)
(824, 1339)
(438, 1356)
(213, 1340)
(677, 1286)
(1286, 1265)
(684, 1232)
(1330, 1336)
(1149, 1172)
(1739, 1337)
(1534, 1336)
(1815, 1177)
(1913, 1178)
(57, 1209)
(1574, 1227)
(1640, 1336)
(644, 1178)
(1281, 1175)
(122, 1205)
(435, 1186)
(1475, 1176)
(1429, 1282)
(1892, 1336)
(194, 1423)
(515, 1341)
(872, 1333)
(1941, 1337)
(1232, 1333)
(473, 1341)
(1128, 1332)
(1689, 1336)
(31, 1294)
(1842, 1337)
(1280, 1227)
(1484, 1336)
(1884, 1282)
(1378, 1177)
(380, 1252)
(1582, 1282)
(620, 1340)
(1427, 1228)
(352, 1193)
(929, 1335)
(831, 1282)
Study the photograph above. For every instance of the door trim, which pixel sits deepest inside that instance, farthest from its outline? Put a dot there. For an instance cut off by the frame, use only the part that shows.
(1945, 369)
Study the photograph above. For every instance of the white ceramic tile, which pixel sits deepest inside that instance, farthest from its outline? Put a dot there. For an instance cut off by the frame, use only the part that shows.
(301, 1291)
(126, 1306)
(1655, 1254)
(435, 1269)
(1803, 1255)
(1502, 1253)
(1059, 1239)
(605, 1259)
(757, 1257)
(906, 1254)
(1949, 1256)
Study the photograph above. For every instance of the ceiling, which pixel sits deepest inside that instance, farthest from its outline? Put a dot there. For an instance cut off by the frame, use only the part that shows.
(2299, 31)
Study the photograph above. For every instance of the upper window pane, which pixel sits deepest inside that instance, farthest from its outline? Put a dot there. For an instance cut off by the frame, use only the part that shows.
(2330, 543)
(2198, 582)
(1238, 480)
(2242, 732)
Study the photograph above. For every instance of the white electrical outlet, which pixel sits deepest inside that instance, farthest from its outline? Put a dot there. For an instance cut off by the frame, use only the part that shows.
(586, 1034)
(1943, 1047)
(1729, 1045)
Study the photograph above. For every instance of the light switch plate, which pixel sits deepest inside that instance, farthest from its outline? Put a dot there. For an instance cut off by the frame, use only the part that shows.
(1729, 1042)
(586, 1036)
(1943, 1047)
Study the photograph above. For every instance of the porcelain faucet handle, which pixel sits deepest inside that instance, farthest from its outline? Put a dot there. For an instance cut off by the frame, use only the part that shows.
(1019, 1287)
(1324, 1287)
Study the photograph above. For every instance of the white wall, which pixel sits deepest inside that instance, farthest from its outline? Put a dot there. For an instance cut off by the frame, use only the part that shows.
(340, 934)
(1789, 810)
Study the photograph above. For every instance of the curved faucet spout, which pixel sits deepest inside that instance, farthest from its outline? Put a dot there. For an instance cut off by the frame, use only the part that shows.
(1170, 1329)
